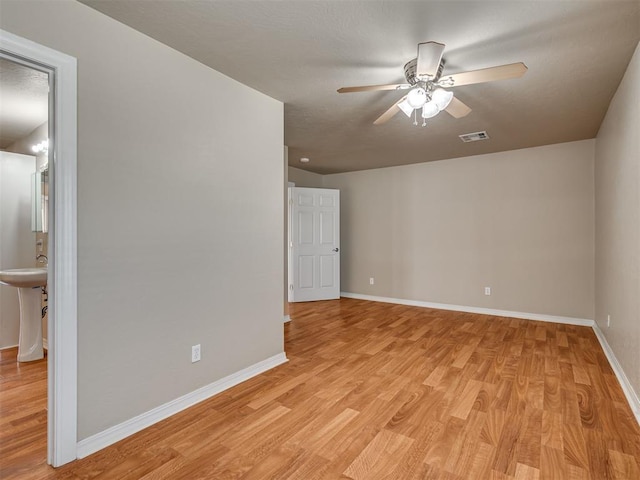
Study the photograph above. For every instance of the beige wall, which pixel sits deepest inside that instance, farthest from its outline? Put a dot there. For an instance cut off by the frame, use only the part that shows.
(302, 178)
(520, 222)
(179, 216)
(617, 191)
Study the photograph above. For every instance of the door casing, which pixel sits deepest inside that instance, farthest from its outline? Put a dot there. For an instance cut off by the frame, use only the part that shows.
(62, 281)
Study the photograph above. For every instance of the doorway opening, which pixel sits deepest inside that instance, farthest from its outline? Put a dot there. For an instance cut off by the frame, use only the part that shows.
(61, 70)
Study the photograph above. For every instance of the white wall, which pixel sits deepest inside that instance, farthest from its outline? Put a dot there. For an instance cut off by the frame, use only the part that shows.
(24, 145)
(617, 193)
(180, 215)
(520, 222)
(17, 241)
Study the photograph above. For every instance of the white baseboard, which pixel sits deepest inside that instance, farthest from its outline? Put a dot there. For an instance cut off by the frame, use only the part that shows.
(118, 432)
(287, 318)
(629, 392)
(45, 345)
(484, 311)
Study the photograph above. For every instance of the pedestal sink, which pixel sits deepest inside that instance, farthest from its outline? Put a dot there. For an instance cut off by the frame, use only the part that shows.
(29, 282)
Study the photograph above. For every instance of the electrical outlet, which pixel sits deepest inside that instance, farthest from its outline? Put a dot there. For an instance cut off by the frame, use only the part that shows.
(608, 321)
(371, 281)
(195, 353)
(487, 290)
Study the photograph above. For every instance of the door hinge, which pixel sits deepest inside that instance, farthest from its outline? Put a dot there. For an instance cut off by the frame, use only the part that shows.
(291, 287)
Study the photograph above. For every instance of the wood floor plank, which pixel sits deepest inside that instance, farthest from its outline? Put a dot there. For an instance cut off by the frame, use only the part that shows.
(319, 432)
(551, 430)
(577, 473)
(580, 375)
(552, 464)
(357, 434)
(525, 472)
(372, 390)
(623, 466)
(313, 468)
(482, 460)
(575, 449)
(411, 464)
(378, 459)
(530, 438)
(463, 449)
(260, 424)
(436, 376)
(439, 450)
(463, 404)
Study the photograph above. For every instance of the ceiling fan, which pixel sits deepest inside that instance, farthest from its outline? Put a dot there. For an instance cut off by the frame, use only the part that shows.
(426, 85)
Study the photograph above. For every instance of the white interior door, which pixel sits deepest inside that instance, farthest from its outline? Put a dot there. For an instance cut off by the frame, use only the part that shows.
(314, 244)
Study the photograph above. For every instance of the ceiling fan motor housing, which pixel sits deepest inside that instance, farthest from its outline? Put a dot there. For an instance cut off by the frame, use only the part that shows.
(410, 73)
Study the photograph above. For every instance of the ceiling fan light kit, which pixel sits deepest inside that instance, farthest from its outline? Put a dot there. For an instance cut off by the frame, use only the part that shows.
(442, 98)
(406, 108)
(425, 81)
(430, 110)
(431, 103)
(417, 97)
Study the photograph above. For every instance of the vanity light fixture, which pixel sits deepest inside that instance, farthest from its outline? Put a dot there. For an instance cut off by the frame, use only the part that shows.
(42, 147)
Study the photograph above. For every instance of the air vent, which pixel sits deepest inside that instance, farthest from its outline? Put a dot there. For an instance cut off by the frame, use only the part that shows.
(474, 137)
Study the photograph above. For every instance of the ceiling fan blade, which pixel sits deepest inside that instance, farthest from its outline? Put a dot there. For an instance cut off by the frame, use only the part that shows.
(457, 109)
(429, 57)
(386, 116)
(370, 88)
(503, 72)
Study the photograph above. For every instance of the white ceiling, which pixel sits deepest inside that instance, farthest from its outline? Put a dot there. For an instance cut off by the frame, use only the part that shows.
(24, 101)
(301, 51)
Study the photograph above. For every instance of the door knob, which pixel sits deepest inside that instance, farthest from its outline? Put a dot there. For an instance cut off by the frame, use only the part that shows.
(336, 249)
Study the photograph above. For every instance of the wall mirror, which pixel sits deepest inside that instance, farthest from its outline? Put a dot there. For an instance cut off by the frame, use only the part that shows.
(40, 200)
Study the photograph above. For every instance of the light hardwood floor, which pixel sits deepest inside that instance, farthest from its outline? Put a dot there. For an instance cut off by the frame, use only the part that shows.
(372, 391)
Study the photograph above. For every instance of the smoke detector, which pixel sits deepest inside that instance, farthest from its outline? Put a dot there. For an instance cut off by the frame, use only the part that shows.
(474, 137)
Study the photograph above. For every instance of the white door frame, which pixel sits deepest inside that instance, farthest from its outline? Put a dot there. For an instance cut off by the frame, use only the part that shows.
(62, 279)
